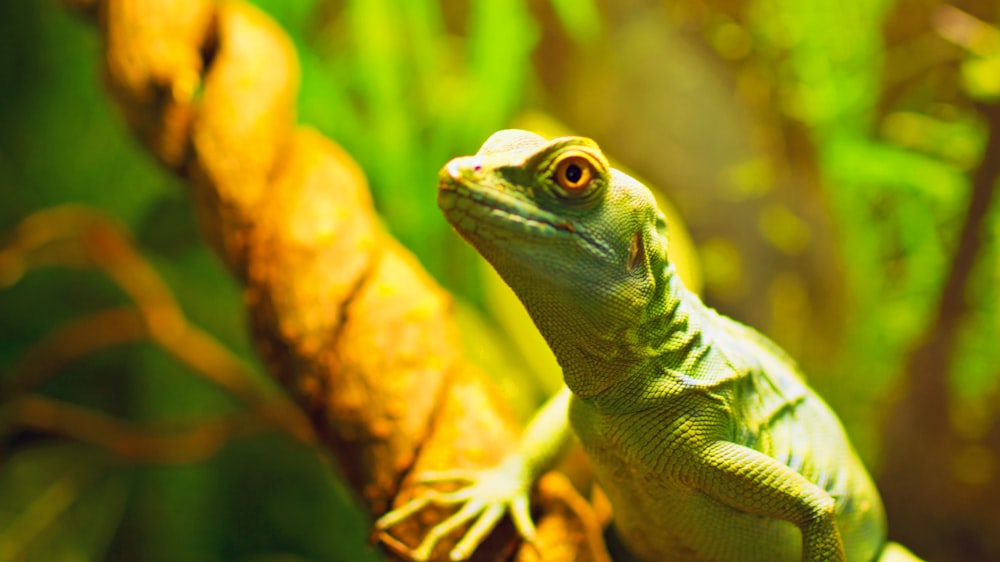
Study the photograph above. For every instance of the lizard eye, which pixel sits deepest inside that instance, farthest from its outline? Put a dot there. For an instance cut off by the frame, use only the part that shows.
(574, 173)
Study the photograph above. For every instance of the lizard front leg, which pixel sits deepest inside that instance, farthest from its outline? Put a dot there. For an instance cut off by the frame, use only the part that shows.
(491, 493)
(753, 482)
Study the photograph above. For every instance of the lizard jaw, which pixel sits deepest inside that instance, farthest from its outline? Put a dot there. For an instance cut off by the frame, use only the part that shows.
(472, 207)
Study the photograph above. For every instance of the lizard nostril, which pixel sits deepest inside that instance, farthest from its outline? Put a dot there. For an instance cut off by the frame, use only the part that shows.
(458, 168)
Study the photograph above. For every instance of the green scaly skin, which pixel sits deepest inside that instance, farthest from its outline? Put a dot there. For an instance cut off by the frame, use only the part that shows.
(702, 432)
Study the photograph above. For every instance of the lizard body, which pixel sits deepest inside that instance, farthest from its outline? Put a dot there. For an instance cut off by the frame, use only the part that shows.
(702, 432)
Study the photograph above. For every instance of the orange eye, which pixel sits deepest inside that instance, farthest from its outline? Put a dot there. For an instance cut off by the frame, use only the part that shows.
(574, 173)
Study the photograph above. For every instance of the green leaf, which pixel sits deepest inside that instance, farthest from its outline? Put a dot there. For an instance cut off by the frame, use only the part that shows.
(58, 503)
(981, 78)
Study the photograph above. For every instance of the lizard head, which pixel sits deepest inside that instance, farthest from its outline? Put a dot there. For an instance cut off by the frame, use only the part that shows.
(579, 242)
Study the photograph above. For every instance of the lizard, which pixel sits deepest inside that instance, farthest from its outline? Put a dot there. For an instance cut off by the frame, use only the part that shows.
(702, 432)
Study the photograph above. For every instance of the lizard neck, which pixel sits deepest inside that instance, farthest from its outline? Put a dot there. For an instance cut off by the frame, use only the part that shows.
(667, 341)
(677, 330)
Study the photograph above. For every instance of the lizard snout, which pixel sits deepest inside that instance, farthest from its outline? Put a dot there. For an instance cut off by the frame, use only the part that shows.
(458, 169)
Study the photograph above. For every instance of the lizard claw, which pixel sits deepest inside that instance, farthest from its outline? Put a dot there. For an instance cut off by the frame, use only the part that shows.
(487, 496)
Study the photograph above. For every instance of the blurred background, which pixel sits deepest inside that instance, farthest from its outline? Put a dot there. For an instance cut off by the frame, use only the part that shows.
(834, 163)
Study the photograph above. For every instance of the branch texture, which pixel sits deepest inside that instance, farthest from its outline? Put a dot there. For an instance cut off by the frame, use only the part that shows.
(343, 316)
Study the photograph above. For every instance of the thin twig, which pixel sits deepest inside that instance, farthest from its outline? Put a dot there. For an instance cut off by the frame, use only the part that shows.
(70, 343)
(75, 236)
(199, 441)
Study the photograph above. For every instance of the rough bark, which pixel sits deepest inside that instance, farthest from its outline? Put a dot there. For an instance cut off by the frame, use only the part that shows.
(343, 316)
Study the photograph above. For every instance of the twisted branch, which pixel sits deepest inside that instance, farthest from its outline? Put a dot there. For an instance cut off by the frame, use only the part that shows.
(343, 316)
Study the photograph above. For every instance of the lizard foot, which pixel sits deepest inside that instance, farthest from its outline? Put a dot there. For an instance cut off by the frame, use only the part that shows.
(486, 497)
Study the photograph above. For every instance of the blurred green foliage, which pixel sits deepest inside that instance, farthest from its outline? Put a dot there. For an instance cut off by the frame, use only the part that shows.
(898, 183)
(821, 153)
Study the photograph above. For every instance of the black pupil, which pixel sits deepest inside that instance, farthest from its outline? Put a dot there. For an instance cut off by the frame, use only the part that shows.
(573, 173)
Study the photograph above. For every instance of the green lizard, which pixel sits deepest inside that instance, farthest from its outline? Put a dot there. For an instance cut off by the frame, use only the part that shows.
(701, 431)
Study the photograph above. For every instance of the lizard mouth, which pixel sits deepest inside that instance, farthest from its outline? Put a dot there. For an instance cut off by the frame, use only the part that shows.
(481, 208)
